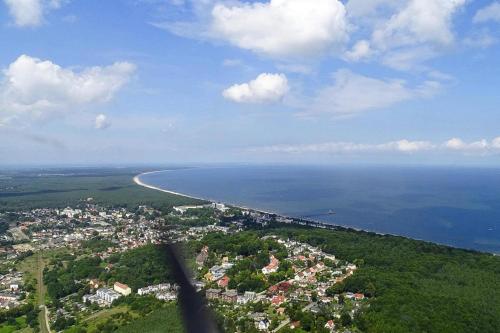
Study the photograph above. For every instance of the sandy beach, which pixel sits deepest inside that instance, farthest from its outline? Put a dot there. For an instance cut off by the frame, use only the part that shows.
(137, 180)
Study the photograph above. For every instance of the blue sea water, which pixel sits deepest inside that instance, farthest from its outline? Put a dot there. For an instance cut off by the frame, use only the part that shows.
(453, 206)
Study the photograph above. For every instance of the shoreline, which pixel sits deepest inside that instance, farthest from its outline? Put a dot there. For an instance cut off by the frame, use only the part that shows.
(295, 220)
(138, 181)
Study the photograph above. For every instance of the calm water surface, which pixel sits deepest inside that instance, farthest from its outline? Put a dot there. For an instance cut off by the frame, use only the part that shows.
(455, 206)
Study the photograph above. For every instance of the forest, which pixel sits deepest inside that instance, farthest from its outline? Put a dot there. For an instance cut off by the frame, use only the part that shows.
(416, 286)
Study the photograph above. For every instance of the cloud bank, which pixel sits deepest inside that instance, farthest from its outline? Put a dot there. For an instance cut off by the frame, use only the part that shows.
(480, 147)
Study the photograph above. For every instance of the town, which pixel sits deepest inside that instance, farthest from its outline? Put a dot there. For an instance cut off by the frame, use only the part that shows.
(268, 284)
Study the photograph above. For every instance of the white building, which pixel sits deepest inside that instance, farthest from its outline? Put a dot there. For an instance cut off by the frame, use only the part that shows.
(122, 288)
(107, 294)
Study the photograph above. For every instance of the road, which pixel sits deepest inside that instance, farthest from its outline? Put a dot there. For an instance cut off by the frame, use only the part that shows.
(44, 313)
(287, 321)
(283, 324)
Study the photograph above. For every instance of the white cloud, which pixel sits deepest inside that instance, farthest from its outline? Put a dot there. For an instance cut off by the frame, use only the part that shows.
(266, 88)
(30, 13)
(476, 146)
(353, 93)
(35, 88)
(488, 13)
(102, 122)
(360, 50)
(421, 21)
(282, 28)
(455, 145)
(404, 34)
(403, 146)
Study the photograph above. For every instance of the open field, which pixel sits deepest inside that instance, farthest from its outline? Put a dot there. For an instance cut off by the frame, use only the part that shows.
(166, 320)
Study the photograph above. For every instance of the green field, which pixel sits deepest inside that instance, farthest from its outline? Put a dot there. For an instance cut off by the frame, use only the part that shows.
(61, 188)
(166, 320)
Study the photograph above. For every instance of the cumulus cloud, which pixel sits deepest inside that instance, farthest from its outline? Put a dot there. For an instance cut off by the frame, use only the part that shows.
(353, 93)
(488, 13)
(282, 28)
(37, 88)
(266, 88)
(102, 122)
(30, 13)
(480, 147)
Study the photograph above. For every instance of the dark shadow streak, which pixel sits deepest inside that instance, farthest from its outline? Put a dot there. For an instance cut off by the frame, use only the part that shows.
(197, 317)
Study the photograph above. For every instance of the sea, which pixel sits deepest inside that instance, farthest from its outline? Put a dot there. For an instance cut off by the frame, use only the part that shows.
(455, 206)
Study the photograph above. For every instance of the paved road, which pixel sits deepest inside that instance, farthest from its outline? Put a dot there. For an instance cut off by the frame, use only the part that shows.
(283, 324)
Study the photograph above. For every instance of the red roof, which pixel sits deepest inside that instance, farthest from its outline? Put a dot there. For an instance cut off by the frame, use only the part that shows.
(223, 282)
(278, 299)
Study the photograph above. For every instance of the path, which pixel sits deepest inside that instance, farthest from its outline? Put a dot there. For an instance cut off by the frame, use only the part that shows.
(44, 312)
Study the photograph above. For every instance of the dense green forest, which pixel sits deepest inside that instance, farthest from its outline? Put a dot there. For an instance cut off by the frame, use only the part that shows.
(418, 286)
(138, 268)
(62, 188)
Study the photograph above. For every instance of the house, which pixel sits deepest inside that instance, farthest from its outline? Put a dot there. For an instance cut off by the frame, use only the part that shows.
(202, 256)
(277, 300)
(223, 282)
(359, 297)
(230, 296)
(272, 267)
(122, 288)
(212, 294)
(295, 324)
(7, 296)
(94, 284)
(330, 325)
(263, 325)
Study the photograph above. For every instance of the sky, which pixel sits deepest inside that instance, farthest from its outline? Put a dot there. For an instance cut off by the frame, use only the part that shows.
(270, 81)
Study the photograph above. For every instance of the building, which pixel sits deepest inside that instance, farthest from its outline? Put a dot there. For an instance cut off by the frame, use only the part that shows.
(249, 296)
(212, 294)
(330, 325)
(122, 288)
(202, 256)
(107, 295)
(230, 296)
(272, 267)
(223, 282)
(277, 299)
(8, 297)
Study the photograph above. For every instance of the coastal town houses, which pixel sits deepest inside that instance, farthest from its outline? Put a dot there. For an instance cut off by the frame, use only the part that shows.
(122, 288)
(272, 267)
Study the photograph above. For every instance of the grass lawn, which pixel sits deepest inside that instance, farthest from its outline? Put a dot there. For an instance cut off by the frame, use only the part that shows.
(166, 320)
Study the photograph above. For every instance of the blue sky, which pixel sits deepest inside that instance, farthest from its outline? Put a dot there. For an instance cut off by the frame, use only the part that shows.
(290, 81)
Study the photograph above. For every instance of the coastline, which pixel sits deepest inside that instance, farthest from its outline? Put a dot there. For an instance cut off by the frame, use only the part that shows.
(138, 181)
(295, 220)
